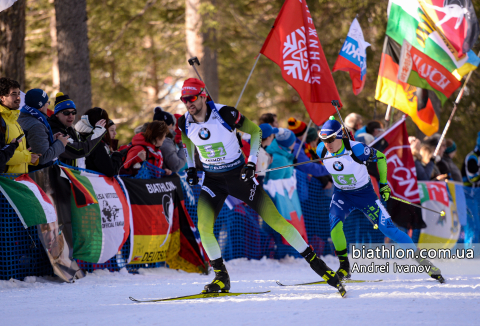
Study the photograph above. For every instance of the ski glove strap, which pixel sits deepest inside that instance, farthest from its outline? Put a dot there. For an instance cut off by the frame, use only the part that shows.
(192, 177)
(385, 191)
(248, 171)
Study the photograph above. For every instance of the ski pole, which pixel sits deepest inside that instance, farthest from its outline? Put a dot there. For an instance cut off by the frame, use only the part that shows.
(335, 103)
(442, 213)
(301, 163)
(192, 62)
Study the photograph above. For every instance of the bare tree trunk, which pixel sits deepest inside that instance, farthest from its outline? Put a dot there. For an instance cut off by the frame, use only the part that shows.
(53, 44)
(196, 40)
(73, 55)
(12, 43)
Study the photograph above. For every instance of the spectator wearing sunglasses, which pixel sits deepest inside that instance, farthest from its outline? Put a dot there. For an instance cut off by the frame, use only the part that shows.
(62, 121)
(39, 135)
(101, 159)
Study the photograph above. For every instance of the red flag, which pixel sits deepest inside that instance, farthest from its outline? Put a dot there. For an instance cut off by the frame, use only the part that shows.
(293, 44)
(402, 175)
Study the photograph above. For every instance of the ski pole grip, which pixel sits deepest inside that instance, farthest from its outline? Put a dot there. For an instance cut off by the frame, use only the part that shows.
(335, 103)
(193, 60)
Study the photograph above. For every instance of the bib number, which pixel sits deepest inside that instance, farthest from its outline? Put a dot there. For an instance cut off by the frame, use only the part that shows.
(344, 179)
(212, 150)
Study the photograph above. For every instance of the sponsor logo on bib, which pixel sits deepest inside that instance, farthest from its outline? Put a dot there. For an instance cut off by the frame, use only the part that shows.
(204, 133)
(338, 166)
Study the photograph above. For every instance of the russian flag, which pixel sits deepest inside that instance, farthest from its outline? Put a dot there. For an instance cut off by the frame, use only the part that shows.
(353, 57)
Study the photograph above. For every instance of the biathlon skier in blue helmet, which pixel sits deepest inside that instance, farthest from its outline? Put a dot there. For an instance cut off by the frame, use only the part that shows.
(353, 190)
(211, 129)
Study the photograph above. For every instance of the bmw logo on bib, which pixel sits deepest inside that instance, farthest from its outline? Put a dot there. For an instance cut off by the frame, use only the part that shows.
(338, 166)
(204, 133)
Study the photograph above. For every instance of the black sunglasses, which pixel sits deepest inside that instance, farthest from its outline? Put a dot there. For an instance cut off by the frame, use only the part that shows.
(67, 113)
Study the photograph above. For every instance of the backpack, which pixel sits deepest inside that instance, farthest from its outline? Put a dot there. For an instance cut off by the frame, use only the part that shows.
(124, 152)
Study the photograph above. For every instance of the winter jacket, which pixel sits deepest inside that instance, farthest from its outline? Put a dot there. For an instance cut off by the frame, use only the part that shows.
(281, 156)
(423, 171)
(36, 135)
(22, 158)
(315, 169)
(174, 158)
(6, 150)
(139, 144)
(100, 160)
(77, 147)
(453, 171)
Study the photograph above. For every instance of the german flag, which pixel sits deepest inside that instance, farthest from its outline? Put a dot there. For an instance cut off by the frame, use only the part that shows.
(82, 190)
(402, 96)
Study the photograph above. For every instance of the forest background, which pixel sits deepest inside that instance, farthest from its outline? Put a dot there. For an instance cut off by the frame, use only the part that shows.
(130, 56)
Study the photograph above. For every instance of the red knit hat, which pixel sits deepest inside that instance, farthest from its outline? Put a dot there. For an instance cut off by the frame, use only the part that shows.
(298, 127)
(193, 86)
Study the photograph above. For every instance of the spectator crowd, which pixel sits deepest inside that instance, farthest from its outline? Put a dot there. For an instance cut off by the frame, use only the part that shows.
(39, 134)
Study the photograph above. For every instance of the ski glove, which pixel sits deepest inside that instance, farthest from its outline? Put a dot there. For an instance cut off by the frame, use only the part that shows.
(248, 171)
(192, 177)
(385, 191)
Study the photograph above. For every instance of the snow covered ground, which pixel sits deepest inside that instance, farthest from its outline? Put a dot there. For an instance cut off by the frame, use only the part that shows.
(101, 298)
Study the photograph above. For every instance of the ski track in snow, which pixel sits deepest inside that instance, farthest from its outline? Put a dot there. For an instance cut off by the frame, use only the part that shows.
(101, 298)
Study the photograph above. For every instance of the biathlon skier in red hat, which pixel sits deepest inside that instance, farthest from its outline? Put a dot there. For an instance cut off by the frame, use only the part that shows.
(211, 128)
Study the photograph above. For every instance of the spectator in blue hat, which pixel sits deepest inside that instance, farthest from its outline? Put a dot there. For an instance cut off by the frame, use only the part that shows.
(39, 136)
(471, 166)
(62, 121)
(281, 151)
(265, 159)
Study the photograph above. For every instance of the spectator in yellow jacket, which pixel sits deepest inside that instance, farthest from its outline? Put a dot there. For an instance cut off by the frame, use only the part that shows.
(9, 104)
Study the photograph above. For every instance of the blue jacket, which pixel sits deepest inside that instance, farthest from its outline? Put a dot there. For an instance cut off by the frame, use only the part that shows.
(281, 156)
(315, 169)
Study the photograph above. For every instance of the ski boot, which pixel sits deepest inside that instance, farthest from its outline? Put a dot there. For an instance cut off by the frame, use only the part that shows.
(434, 272)
(323, 270)
(221, 282)
(343, 271)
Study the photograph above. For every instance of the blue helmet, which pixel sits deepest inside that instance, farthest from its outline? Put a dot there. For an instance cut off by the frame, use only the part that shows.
(329, 128)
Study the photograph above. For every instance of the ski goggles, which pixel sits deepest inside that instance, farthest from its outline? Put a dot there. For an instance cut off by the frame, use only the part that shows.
(190, 99)
(330, 138)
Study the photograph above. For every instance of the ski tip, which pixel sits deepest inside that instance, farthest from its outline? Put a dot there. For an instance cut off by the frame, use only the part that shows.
(278, 283)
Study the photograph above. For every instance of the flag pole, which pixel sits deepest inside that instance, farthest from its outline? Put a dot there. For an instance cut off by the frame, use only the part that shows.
(447, 125)
(248, 79)
(303, 138)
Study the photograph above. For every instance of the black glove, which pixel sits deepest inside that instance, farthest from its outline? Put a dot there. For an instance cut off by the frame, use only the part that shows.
(248, 171)
(385, 191)
(192, 177)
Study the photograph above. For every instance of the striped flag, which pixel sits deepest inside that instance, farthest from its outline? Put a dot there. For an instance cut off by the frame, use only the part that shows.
(100, 228)
(409, 99)
(407, 21)
(29, 201)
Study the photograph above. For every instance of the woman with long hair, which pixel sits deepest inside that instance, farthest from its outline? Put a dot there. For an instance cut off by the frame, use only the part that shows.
(100, 159)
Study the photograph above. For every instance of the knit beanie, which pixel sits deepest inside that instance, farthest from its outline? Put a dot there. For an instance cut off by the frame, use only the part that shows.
(311, 135)
(160, 115)
(63, 102)
(285, 137)
(36, 98)
(296, 126)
